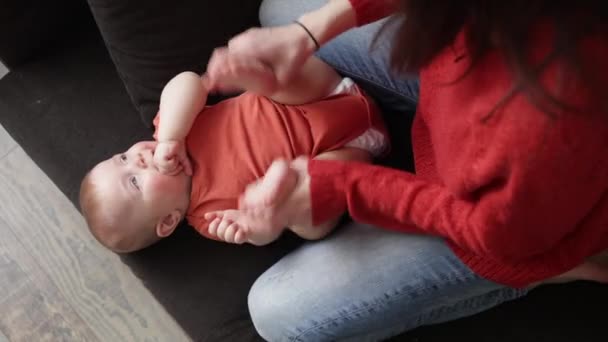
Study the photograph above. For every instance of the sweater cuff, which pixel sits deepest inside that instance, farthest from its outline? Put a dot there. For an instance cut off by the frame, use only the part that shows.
(368, 11)
(327, 183)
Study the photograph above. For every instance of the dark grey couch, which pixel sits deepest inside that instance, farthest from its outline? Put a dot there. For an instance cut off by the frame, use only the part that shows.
(56, 54)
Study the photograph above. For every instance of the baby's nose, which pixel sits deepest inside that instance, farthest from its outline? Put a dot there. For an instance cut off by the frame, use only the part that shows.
(141, 161)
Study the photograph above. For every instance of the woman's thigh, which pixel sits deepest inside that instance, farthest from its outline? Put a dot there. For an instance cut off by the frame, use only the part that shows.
(351, 55)
(365, 283)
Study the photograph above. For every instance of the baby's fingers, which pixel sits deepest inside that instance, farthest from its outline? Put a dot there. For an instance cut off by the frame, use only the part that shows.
(186, 165)
(169, 166)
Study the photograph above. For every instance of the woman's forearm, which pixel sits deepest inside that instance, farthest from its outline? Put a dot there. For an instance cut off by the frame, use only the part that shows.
(339, 16)
(327, 22)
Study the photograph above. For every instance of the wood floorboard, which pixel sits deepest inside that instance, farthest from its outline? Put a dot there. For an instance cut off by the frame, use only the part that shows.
(66, 275)
(6, 142)
(3, 337)
(32, 307)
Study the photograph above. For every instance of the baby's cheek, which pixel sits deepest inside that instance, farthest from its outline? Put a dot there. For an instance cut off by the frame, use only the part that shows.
(165, 184)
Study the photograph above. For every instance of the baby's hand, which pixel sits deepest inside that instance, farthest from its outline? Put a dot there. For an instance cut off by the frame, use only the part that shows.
(170, 158)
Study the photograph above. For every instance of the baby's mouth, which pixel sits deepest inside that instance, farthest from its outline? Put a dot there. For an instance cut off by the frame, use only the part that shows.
(149, 159)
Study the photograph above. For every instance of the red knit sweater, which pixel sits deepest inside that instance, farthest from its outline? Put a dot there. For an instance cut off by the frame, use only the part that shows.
(520, 196)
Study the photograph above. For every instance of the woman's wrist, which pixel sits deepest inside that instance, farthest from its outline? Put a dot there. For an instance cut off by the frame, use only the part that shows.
(329, 21)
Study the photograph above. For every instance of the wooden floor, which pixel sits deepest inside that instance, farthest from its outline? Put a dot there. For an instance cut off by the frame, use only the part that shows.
(56, 283)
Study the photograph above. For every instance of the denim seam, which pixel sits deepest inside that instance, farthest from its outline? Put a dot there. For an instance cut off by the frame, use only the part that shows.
(363, 309)
(328, 321)
(470, 303)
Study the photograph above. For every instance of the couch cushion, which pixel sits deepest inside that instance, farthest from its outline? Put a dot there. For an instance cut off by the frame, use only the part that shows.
(152, 41)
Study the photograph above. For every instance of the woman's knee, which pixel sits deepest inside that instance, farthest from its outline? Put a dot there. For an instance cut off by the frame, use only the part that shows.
(271, 312)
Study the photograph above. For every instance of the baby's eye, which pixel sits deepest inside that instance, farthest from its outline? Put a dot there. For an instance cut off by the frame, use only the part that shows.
(134, 182)
(123, 158)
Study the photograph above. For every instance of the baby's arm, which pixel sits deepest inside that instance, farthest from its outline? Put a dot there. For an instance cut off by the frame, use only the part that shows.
(315, 80)
(180, 102)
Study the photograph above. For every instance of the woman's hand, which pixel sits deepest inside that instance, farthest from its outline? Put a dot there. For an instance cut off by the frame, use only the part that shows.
(285, 49)
(285, 188)
(297, 207)
(234, 72)
(282, 49)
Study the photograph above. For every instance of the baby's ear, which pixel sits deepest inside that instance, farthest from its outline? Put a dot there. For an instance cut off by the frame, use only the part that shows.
(167, 224)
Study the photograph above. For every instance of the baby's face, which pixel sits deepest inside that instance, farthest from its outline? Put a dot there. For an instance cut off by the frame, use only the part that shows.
(132, 178)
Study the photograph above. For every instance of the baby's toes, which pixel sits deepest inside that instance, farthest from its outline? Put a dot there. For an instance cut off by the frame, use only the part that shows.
(240, 236)
(230, 233)
(212, 229)
(222, 227)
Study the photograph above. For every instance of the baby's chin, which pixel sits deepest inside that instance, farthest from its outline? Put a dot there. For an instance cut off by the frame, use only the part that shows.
(184, 176)
(187, 181)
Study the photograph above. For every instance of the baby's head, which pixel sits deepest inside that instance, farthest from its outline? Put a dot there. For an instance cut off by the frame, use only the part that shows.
(128, 204)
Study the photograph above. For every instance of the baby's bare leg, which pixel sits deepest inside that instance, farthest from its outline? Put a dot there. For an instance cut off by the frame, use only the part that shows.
(315, 232)
(311, 232)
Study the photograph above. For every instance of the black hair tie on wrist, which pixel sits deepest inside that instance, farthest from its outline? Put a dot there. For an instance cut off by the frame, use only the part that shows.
(309, 34)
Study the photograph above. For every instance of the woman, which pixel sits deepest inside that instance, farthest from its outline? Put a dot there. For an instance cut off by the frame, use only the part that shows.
(511, 182)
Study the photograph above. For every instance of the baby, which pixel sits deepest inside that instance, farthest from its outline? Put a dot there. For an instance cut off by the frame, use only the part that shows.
(204, 157)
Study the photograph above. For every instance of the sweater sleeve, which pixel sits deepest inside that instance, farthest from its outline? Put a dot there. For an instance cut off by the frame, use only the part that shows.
(534, 182)
(368, 11)
(511, 218)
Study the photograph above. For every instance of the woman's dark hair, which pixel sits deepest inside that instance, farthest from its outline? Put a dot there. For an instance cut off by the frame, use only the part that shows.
(425, 27)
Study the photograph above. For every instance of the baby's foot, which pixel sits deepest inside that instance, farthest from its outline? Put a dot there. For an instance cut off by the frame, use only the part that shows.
(276, 185)
(227, 230)
(258, 226)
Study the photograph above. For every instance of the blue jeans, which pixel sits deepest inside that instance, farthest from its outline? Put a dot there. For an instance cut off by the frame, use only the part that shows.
(364, 283)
